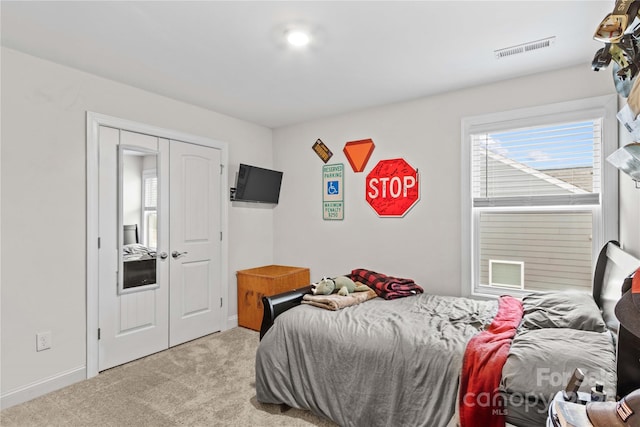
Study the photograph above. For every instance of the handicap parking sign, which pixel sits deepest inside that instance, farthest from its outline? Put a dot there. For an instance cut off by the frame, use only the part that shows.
(333, 199)
(333, 187)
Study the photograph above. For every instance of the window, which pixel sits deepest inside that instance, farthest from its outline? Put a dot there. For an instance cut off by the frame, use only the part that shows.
(150, 208)
(538, 200)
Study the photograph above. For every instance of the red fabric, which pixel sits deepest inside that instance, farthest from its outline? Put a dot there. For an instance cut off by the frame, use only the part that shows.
(387, 287)
(480, 400)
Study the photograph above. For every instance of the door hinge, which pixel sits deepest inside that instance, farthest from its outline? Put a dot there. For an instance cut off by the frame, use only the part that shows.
(221, 168)
(98, 243)
(220, 302)
(221, 236)
(98, 333)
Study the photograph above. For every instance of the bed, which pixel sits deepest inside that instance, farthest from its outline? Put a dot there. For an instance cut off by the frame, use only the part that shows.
(406, 361)
(139, 261)
(139, 265)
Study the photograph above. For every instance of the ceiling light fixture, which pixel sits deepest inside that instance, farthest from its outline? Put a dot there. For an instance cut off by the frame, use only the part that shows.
(298, 38)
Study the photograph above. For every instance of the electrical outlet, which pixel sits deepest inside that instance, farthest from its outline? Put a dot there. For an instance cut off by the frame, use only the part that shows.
(43, 340)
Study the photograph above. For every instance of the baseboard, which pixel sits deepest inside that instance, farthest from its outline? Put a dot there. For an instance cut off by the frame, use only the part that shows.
(42, 387)
(232, 321)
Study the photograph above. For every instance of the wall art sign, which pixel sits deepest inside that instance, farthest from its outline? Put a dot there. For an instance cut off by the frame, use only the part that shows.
(392, 188)
(333, 192)
(358, 153)
(322, 150)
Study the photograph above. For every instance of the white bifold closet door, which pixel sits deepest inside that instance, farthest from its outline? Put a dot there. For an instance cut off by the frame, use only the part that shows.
(185, 302)
(195, 234)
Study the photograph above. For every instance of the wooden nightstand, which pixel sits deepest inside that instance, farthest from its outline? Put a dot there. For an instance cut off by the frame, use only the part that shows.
(255, 283)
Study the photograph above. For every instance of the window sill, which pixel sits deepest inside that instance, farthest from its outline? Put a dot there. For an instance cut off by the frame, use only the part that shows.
(487, 292)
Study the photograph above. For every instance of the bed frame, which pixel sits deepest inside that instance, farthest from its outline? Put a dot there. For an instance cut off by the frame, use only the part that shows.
(612, 268)
(277, 304)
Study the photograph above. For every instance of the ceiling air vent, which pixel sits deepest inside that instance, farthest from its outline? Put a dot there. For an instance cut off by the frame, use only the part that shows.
(524, 47)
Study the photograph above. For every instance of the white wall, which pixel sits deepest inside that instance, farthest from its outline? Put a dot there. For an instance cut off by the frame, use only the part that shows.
(43, 206)
(424, 245)
(43, 194)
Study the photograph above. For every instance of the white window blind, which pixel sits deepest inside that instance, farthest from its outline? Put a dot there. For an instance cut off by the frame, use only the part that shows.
(150, 200)
(537, 166)
(536, 193)
(151, 192)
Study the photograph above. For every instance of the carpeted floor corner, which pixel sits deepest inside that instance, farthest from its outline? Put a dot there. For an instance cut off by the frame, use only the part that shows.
(206, 382)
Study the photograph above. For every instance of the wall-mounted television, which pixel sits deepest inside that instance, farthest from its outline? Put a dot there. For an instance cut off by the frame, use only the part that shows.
(257, 185)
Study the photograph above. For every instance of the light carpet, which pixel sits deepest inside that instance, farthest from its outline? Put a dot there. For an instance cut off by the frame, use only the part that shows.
(206, 382)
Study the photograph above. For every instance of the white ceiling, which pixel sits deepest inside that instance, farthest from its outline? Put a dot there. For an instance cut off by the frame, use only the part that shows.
(229, 56)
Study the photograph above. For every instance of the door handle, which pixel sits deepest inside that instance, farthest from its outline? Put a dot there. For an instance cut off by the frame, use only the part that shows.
(163, 255)
(177, 254)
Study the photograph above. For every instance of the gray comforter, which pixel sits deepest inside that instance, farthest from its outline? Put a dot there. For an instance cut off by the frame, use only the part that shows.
(391, 362)
(559, 332)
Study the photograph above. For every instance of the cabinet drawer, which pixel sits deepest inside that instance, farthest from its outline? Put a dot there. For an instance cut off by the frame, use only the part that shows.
(268, 280)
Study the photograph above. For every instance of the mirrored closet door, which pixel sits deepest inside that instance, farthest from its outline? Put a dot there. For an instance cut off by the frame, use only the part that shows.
(159, 256)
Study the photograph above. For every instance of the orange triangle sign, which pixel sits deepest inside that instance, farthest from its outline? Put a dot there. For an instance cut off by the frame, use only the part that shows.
(358, 153)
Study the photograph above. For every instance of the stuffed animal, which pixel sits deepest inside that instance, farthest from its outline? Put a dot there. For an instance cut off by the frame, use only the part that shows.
(342, 284)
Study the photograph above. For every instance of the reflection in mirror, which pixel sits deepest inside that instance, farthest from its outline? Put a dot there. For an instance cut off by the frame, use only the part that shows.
(138, 219)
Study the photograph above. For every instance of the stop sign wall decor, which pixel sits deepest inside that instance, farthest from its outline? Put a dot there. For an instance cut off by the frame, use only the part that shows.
(392, 187)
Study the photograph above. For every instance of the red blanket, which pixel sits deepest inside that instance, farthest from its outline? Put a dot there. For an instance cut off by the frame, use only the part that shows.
(387, 287)
(480, 401)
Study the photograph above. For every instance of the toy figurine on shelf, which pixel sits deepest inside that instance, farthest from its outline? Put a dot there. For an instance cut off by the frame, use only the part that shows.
(616, 24)
(620, 33)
